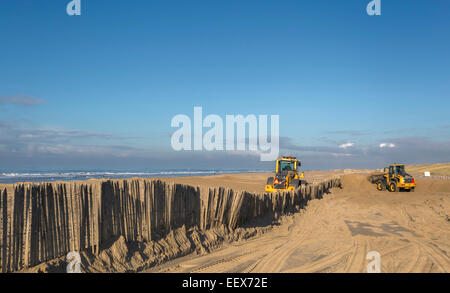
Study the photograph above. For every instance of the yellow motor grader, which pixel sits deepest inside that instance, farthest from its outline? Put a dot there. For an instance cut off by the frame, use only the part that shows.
(394, 178)
(287, 175)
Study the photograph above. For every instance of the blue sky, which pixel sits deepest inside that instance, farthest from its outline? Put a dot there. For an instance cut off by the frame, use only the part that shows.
(99, 90)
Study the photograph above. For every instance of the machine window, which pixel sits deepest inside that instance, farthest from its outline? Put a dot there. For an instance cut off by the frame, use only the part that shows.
(287, 166)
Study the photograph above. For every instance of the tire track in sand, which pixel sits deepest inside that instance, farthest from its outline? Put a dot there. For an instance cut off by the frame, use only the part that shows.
(334, 234)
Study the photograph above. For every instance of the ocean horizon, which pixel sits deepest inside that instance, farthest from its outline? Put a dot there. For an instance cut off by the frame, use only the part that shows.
(73, 175)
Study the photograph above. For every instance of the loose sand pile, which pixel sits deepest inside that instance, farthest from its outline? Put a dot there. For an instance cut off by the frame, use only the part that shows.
(122, 256)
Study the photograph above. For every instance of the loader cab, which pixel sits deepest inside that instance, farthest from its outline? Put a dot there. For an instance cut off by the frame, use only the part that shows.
(286, 164)
(396, 169)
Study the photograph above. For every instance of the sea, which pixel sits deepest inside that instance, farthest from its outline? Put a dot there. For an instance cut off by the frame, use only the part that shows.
(70, 175)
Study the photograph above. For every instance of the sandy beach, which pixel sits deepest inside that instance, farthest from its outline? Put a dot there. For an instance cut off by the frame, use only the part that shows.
(410, 231)
(332, 233)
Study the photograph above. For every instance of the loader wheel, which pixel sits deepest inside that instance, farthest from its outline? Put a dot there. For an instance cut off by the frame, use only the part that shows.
(270, 181)
(295, 183)
(380, 186)
(412, 189)
(393, 187)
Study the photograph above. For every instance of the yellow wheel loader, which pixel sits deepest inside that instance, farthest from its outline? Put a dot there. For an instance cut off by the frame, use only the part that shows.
(394, 178)
(287, 175)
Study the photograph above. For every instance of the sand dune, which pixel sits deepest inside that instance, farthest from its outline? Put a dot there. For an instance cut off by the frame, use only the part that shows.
(435, 169)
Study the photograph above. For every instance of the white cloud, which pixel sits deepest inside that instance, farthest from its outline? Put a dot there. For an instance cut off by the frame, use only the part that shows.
(346, 145)
(387, 145)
